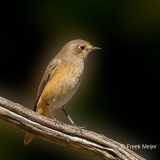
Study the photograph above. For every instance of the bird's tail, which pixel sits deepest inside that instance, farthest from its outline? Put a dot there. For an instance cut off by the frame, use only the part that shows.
(28, 138)
(42, 110)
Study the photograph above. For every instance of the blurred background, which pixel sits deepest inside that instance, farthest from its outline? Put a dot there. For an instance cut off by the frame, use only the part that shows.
(120, 90)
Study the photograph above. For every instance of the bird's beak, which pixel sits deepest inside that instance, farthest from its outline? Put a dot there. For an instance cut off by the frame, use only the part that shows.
(94, 48)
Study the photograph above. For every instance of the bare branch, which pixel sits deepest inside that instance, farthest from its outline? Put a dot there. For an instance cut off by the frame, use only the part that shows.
(45, 128)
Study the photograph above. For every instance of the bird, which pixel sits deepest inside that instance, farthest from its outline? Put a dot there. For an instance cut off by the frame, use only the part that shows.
(61, 79)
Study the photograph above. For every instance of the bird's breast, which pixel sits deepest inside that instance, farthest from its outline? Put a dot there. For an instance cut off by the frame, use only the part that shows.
(63, 84)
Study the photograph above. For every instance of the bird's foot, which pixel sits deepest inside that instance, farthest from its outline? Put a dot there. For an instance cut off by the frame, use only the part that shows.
(59, 123)
(79, 128)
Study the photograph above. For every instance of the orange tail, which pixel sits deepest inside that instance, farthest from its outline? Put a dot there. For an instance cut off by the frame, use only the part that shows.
(42, 110)
(28, 138)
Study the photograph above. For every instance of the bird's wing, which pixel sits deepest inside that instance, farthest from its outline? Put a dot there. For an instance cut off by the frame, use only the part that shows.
(47, 75)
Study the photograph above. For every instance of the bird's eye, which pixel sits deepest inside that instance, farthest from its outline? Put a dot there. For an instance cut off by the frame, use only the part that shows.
(82, 47)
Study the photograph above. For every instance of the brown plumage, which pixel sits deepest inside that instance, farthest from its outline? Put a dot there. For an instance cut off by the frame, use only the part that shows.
(61, 79)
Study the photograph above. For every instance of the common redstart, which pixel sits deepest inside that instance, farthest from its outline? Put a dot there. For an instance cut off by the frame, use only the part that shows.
(61, 80)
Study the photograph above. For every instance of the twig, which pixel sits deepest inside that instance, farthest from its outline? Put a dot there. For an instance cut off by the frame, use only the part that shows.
(45, 128)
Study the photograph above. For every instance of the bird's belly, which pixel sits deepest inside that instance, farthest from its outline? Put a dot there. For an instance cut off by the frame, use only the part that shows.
(66, 91)
(62, 99)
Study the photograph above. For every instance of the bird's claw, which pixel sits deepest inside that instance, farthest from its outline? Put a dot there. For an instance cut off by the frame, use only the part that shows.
(79, 128)
(59, 123)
